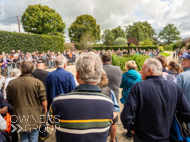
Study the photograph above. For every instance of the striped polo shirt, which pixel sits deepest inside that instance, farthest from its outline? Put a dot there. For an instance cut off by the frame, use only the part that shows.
(84, 115)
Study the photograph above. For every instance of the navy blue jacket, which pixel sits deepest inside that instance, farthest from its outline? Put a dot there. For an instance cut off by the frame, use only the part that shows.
(152, 103)
(59, 82)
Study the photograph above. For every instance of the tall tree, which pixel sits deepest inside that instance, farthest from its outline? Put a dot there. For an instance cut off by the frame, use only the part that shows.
(118, 32)
(169, 33)
(40, 19)
(108, 37)
(86, 42)
(81, 25)
(140, 30)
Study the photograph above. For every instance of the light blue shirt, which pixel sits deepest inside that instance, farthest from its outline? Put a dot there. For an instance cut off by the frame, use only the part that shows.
(115, 103)
(183, 80)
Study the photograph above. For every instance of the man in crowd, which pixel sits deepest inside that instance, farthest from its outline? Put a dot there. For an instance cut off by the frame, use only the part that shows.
(15, 73)
(183, 79)
(1, 64)
(41, 74)
(27, 95)
(59, 81)
(84, 114)
(114, 75)
(152, 104)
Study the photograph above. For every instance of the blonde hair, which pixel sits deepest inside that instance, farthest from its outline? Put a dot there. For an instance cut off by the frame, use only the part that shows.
(130, 65)
(104, 80)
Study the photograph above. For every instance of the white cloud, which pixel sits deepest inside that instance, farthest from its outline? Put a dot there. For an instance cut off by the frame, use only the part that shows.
(108, 13)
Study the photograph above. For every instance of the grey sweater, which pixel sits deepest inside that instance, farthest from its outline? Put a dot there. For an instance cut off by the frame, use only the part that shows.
(114, 75)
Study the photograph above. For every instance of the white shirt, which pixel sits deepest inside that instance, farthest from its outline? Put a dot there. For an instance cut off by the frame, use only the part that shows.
(5, 86)
(3, 123)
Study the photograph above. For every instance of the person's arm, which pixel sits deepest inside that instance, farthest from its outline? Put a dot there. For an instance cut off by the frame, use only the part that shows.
(115, 104)
(44, 104)
(130, 108)
(72, 83)
(42, 96)
(122, 81)
(183, 107)
(3, 123)
(4, 110)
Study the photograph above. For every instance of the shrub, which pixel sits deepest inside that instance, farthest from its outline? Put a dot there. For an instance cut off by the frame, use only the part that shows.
(146, 47)
(161, 48)
(146, 42)
(120, 41)
(168, 47)
(29, 42)
(120, 61)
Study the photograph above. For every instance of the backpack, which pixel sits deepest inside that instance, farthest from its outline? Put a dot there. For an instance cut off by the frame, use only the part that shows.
(8, 120)
(180, 131)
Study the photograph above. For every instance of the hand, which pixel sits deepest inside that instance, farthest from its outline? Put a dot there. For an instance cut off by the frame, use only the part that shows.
(4, 110)
(45, 111)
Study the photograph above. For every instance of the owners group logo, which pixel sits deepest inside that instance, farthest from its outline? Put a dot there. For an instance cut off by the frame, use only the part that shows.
(26, 123)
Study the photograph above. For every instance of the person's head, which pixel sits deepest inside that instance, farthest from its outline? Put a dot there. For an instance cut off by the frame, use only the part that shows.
(18, 51)
(151, 67)
(41, 64)
(88, 68)
(26, 67)
(173, 66)
(16, 57)
(60, 62)
(15, 72)
(130, 65)
(106, 58)
(104, 80)
(1, 56)
(185, 62)
(163, 61)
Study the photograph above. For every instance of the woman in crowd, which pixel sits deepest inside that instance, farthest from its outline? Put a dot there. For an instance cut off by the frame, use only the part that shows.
(53, 56)
(129, 78)
(103, 84)
(9, 62)
(174, 68)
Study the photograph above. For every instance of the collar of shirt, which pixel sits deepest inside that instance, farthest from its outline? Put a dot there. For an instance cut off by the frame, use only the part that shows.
(187, 69)
(60, 69)
(107, 64)
(87, 88)
(155, 78)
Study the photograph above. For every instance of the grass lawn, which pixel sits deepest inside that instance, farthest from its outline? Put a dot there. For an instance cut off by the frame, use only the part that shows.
(164, 54)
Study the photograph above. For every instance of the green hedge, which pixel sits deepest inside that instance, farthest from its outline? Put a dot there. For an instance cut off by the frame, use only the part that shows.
(120, 61)
(29, 42)
(146, 47)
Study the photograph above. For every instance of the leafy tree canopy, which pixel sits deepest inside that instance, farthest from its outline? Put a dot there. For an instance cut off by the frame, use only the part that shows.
(169, 33)
(108, 37)
(81, 25)
(140, 30)
(40, 19)
(118, 32)
(120, 41)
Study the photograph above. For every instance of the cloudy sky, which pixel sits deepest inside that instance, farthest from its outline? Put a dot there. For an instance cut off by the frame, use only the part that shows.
(108, 13)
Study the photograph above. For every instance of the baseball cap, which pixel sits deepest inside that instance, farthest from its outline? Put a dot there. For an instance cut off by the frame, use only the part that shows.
(187, 56)
(41, 61)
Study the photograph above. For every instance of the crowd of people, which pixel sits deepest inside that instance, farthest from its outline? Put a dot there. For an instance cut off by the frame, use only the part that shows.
(85, 107)
(13, 59)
